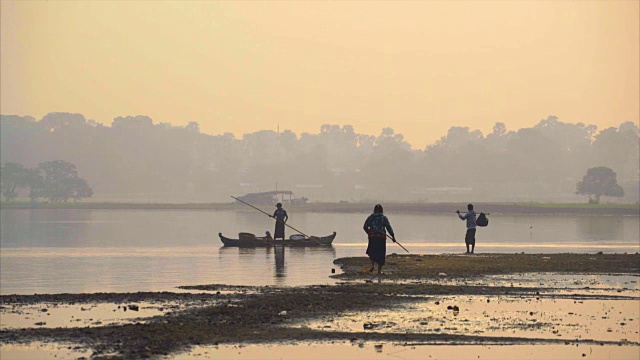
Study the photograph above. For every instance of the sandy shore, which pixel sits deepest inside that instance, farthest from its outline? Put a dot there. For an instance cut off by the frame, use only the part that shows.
(518, 299)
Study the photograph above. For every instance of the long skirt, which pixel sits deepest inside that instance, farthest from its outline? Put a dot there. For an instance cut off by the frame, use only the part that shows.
(377, 249)
(279, 233)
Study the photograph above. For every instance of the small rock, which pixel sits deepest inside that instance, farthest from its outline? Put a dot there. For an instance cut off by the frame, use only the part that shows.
(282, 313)
(133, 307)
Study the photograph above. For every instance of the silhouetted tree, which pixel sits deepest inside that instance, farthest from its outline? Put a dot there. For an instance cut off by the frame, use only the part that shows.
(12, 177)
(35, 182)
(599, 181)
(61, 182)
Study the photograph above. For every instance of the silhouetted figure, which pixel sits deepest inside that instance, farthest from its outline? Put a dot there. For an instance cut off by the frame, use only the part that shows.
(470, 237)
(281, 218)
(376, 226)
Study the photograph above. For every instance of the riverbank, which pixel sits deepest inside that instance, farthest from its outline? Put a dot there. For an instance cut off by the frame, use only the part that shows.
(348, 207)
(448, 294)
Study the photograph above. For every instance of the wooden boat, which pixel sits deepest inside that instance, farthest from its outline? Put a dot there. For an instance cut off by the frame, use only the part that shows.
(250, 240)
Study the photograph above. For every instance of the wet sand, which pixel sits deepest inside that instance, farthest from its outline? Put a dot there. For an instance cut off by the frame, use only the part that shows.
(537, 301)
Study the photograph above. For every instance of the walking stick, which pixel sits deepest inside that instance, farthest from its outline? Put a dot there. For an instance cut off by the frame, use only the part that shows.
(285, 224)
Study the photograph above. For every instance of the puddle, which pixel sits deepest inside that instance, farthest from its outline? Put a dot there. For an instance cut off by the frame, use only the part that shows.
(42, 351)
(548, 280)
(600, 320)
(379, 350)
(603, 285)
(51, 315)
(568, 281)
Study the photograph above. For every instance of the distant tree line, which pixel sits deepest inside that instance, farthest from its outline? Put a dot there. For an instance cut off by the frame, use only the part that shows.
(57, 181)
(134, 159)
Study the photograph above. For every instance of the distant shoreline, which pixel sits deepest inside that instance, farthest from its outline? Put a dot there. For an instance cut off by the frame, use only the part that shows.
(429, 208)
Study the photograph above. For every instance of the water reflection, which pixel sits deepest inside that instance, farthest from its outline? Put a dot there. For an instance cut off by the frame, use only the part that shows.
(53, 251)
(279, 257)
(279, 265)
(600, 227)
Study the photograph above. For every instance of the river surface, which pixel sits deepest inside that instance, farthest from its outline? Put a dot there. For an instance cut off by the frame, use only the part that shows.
(75, 251)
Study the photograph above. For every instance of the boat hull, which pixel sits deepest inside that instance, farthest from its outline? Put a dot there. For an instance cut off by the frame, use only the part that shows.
(267, 242)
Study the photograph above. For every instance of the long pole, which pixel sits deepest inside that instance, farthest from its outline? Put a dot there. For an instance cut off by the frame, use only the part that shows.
(285, 224)
(396, 241)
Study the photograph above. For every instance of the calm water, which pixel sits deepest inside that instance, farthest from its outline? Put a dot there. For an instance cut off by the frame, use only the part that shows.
(56, 251)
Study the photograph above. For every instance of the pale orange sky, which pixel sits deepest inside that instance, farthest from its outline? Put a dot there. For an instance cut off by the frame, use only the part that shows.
(418, 67)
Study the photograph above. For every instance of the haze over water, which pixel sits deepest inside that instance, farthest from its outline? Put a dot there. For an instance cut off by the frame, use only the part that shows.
(58, 251)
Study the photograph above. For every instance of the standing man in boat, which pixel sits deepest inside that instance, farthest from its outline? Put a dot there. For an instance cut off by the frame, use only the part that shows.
(470, 237)
(281, 218)
(376, 226)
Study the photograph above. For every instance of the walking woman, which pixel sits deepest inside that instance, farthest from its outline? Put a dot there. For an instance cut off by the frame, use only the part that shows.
(376, 226)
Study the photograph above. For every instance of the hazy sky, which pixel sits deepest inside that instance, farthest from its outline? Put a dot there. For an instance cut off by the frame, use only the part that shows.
(418, 67)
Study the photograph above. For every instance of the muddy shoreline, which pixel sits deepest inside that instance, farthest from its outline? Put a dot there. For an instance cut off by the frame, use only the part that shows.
(221, 314)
